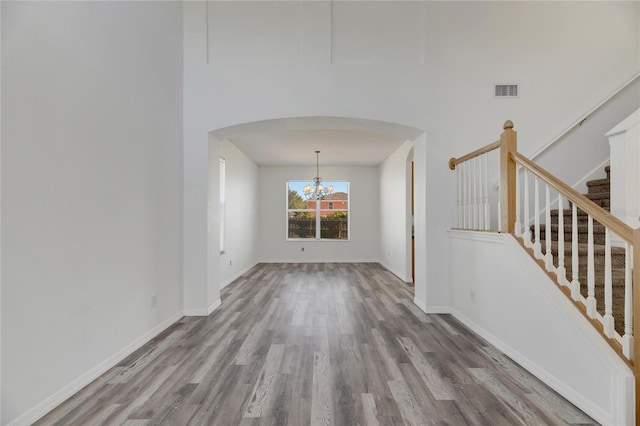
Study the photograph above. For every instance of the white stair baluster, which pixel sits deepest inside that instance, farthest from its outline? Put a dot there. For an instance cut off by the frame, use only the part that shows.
(476, 204)
(575, 279)
(518, 224)
(463, 195)
(482, 186)
(457, 218)
(591, 276)
(548, 257)
(608, 321)
(469, 224)
(487, 207)
(561, 272)
(470, 162)
(627, 339)
(478, 185)
(527, 224)
(479, 210)
(537, 252)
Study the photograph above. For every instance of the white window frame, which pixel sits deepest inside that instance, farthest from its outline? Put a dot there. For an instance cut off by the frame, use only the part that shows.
(318, 218)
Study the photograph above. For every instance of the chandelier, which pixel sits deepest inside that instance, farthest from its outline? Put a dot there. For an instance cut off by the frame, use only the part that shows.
(317, 191)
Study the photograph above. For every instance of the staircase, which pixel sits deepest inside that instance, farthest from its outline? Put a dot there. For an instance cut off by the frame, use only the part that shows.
(599, 193)
(602, 247)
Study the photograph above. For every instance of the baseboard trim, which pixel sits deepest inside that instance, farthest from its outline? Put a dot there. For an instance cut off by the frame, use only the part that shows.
(420, 304)
(215, 305)
(236, 276)
(320, 261)
(438, 310)
(567, 392)
(431, 309)
(202, 312)
(35, 413)
(398, 275)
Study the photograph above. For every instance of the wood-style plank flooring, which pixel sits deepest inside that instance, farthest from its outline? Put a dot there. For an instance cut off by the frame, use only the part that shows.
(319, 344)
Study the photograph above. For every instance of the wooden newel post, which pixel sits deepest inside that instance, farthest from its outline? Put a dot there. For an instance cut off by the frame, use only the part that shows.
(508, 145)
(635, 279)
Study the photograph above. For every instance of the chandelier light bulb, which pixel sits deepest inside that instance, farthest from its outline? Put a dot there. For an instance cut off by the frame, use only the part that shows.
(317, 191)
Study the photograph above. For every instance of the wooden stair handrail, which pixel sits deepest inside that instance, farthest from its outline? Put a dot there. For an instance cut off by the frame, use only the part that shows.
(509, 159)
(453, 162)
(605, 218)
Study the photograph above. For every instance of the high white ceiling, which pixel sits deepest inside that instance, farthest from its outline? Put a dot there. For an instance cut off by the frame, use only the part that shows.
(341, 141)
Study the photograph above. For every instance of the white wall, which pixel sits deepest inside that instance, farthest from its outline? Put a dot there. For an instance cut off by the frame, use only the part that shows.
(559, 52)
(395, 212)
(624, 141)
(241, 214)
(364, 242)
(502, 294)
(210, 298)
(91, 191)
(589, 141)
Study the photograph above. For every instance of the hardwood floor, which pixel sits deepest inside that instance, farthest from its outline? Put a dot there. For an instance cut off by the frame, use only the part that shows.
(319, 344)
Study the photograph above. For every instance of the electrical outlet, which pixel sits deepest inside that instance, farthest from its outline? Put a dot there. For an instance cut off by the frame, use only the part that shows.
(231, 263)
(301, 248)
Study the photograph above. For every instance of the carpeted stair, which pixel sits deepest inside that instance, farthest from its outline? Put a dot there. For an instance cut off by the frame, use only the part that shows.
(599, 193)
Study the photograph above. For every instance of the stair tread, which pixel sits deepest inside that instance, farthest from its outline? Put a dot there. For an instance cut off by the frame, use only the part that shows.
(568, 212)
(599, 182)
(599, 196)
(598, 249)
(582, 227)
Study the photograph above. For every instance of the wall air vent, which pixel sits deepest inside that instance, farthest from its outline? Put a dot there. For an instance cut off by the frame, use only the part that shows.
(506, 90)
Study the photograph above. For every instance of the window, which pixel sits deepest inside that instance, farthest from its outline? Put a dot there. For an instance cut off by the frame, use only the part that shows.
(223, 172)
(323, 219)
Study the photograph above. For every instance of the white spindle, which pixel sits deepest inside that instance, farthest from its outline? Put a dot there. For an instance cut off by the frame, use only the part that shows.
(561, 272)
(591, 276)
(575, 279)
(527, 224)
(457, 217)
(479, 206)
(471, 191)
(487, 207)
(548, 257)
(463, 194)
(627, 339)
(468, 205)
(518, 224)
(481, 222)
(608, 322)
(476, 204)
(536, 218)
(460, 168)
